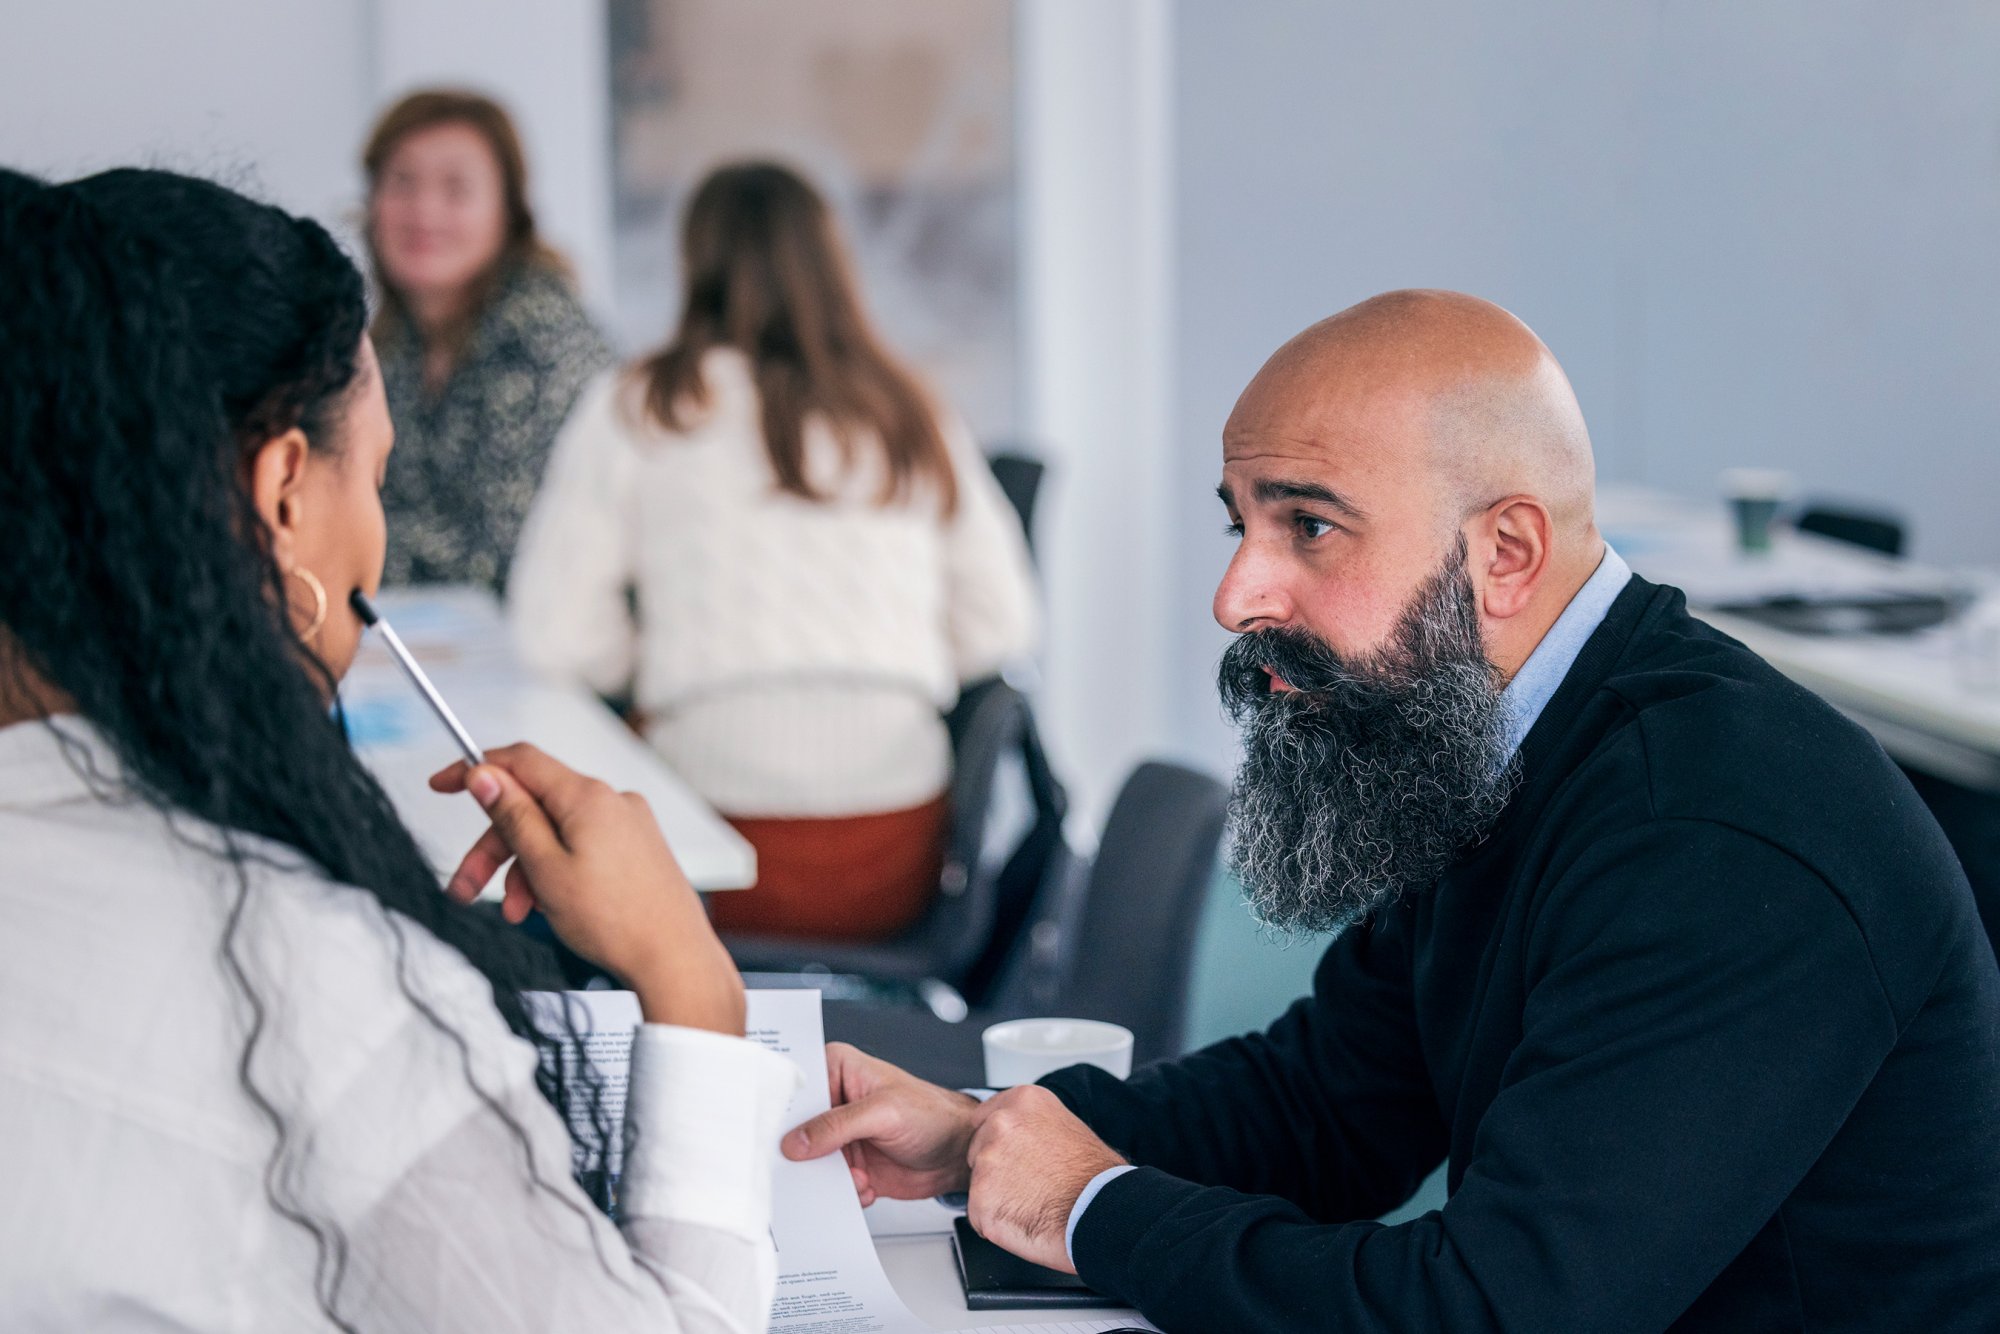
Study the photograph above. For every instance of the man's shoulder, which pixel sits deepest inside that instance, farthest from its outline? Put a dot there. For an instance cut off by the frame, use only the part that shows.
(537, 314)
(1701, 732)
(1721, 734)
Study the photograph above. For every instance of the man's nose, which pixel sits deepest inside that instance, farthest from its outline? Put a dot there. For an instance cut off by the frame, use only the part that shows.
(1250, 596)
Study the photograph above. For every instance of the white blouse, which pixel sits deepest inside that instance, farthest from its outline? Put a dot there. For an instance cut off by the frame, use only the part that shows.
(133, 1164)
(792, 655)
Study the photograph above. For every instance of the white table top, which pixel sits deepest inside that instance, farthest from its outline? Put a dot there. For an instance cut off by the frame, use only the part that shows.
(1909, 690)
(925, 1276)
(459, 636)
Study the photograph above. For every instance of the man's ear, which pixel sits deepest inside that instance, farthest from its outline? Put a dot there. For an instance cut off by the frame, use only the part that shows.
(1518, 532)
(277, 480)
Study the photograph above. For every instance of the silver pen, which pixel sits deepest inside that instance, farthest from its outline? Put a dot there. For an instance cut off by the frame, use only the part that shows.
(373, 620)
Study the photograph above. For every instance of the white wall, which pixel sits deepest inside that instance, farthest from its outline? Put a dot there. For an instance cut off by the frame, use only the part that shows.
(1096, 340)
(1755, 231)
(269, 96)
(277, 97)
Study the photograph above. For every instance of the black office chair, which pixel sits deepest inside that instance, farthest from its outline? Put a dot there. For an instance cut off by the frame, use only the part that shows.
(1873, 529)
(1020, 476)
(1134, 951)
(1129, 937)
(952, 954)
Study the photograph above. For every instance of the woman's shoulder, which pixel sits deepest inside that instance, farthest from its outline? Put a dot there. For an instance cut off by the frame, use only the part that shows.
(222, 926)
(538, 306)
(724, 405)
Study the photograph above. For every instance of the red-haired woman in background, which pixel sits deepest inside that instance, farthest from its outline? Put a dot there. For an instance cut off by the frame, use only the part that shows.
(792, 556)
(484, 344)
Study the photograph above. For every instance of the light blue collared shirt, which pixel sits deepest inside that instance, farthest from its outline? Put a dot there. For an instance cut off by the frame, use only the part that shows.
(1525, 697)
(1542, 674)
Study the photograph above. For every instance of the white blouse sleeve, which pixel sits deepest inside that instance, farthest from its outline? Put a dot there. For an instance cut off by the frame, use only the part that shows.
(990, 601)
(464, 1240)
(567, 589)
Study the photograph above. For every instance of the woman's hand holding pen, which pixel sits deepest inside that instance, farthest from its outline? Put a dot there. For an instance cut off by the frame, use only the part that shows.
(594, 862)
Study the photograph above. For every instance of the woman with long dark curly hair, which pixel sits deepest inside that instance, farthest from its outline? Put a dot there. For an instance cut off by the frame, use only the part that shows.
(257, 1071)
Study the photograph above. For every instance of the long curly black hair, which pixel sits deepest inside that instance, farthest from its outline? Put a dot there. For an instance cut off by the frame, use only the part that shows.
(154, 327)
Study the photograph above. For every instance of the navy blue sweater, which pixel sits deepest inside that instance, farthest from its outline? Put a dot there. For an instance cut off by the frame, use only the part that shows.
(1707, 1031)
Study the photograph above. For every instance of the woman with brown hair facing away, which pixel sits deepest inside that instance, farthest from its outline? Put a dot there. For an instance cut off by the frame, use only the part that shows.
(484, 344)
(792, 556)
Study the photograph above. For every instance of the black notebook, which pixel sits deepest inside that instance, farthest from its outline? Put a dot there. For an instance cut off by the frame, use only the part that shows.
(998, 1281)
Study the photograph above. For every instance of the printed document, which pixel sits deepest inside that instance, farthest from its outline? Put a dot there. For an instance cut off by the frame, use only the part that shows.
(830, 1280)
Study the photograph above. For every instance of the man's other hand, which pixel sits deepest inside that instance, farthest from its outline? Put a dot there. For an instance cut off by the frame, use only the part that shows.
(1030, 1159)
(904, 1139)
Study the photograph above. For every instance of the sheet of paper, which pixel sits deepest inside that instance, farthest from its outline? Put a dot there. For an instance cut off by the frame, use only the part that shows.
(830, 1280)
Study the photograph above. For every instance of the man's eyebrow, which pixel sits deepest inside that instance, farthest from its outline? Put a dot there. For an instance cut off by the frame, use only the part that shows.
(1271, 491)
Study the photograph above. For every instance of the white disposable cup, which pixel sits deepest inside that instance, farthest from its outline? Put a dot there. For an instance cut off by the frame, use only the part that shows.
(1021, 1051)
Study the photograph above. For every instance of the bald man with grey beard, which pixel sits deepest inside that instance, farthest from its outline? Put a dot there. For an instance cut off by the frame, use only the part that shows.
(1656, 953)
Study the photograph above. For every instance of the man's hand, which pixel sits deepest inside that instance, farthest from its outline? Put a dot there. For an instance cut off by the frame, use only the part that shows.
(904, 1139)
(1031, 1158)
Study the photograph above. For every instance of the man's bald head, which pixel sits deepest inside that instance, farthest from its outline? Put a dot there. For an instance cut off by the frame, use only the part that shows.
(1415, 432)
(1465, 379)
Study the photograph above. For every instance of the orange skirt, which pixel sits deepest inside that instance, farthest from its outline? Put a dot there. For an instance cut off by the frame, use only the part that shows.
(858, 877)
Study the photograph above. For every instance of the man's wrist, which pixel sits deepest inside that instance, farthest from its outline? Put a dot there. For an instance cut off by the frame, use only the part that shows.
(1083, 1203)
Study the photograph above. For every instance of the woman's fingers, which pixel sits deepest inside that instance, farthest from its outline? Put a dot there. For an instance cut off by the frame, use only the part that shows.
(518, 818)
(451, 778)
(557, 788)
(519, 898)
(479, 865)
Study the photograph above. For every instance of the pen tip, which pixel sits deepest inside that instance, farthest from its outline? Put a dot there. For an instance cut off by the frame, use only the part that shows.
(362, 607)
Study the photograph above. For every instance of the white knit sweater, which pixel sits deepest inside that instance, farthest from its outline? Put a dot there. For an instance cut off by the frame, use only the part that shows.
(792, 655)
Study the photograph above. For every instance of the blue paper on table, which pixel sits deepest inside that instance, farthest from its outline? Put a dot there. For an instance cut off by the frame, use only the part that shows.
(382, 720)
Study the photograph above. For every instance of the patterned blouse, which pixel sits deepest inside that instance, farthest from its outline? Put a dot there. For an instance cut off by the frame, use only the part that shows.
(469, 458)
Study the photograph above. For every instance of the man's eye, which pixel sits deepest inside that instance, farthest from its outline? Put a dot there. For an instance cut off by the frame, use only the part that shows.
(1311, 527)
(1234, 530)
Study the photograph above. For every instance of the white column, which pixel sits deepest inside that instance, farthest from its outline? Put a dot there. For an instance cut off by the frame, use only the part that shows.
(1095, 86)
(549, 62)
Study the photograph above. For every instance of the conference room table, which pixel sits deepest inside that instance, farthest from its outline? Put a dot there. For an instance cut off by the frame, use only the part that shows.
(460, 637)
(1915, 692)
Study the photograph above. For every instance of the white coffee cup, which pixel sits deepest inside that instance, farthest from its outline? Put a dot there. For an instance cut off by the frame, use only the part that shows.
(1021, 1051)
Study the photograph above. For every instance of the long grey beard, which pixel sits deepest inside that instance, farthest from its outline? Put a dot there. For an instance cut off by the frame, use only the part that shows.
(1373, 774)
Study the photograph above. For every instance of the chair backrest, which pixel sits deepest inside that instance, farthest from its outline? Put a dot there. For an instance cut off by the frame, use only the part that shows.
(1872, 529)
(985, 724)
(1132, 957)
(1020, 476)
(1031, 878)
(981, 900)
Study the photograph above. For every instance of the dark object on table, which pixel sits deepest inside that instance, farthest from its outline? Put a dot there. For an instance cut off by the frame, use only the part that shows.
(1124, 940)
(996, 1280)
(1885, 613)
(1873, 529)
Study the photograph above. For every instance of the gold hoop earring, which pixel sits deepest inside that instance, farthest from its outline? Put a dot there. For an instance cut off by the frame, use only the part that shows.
(311, 581)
